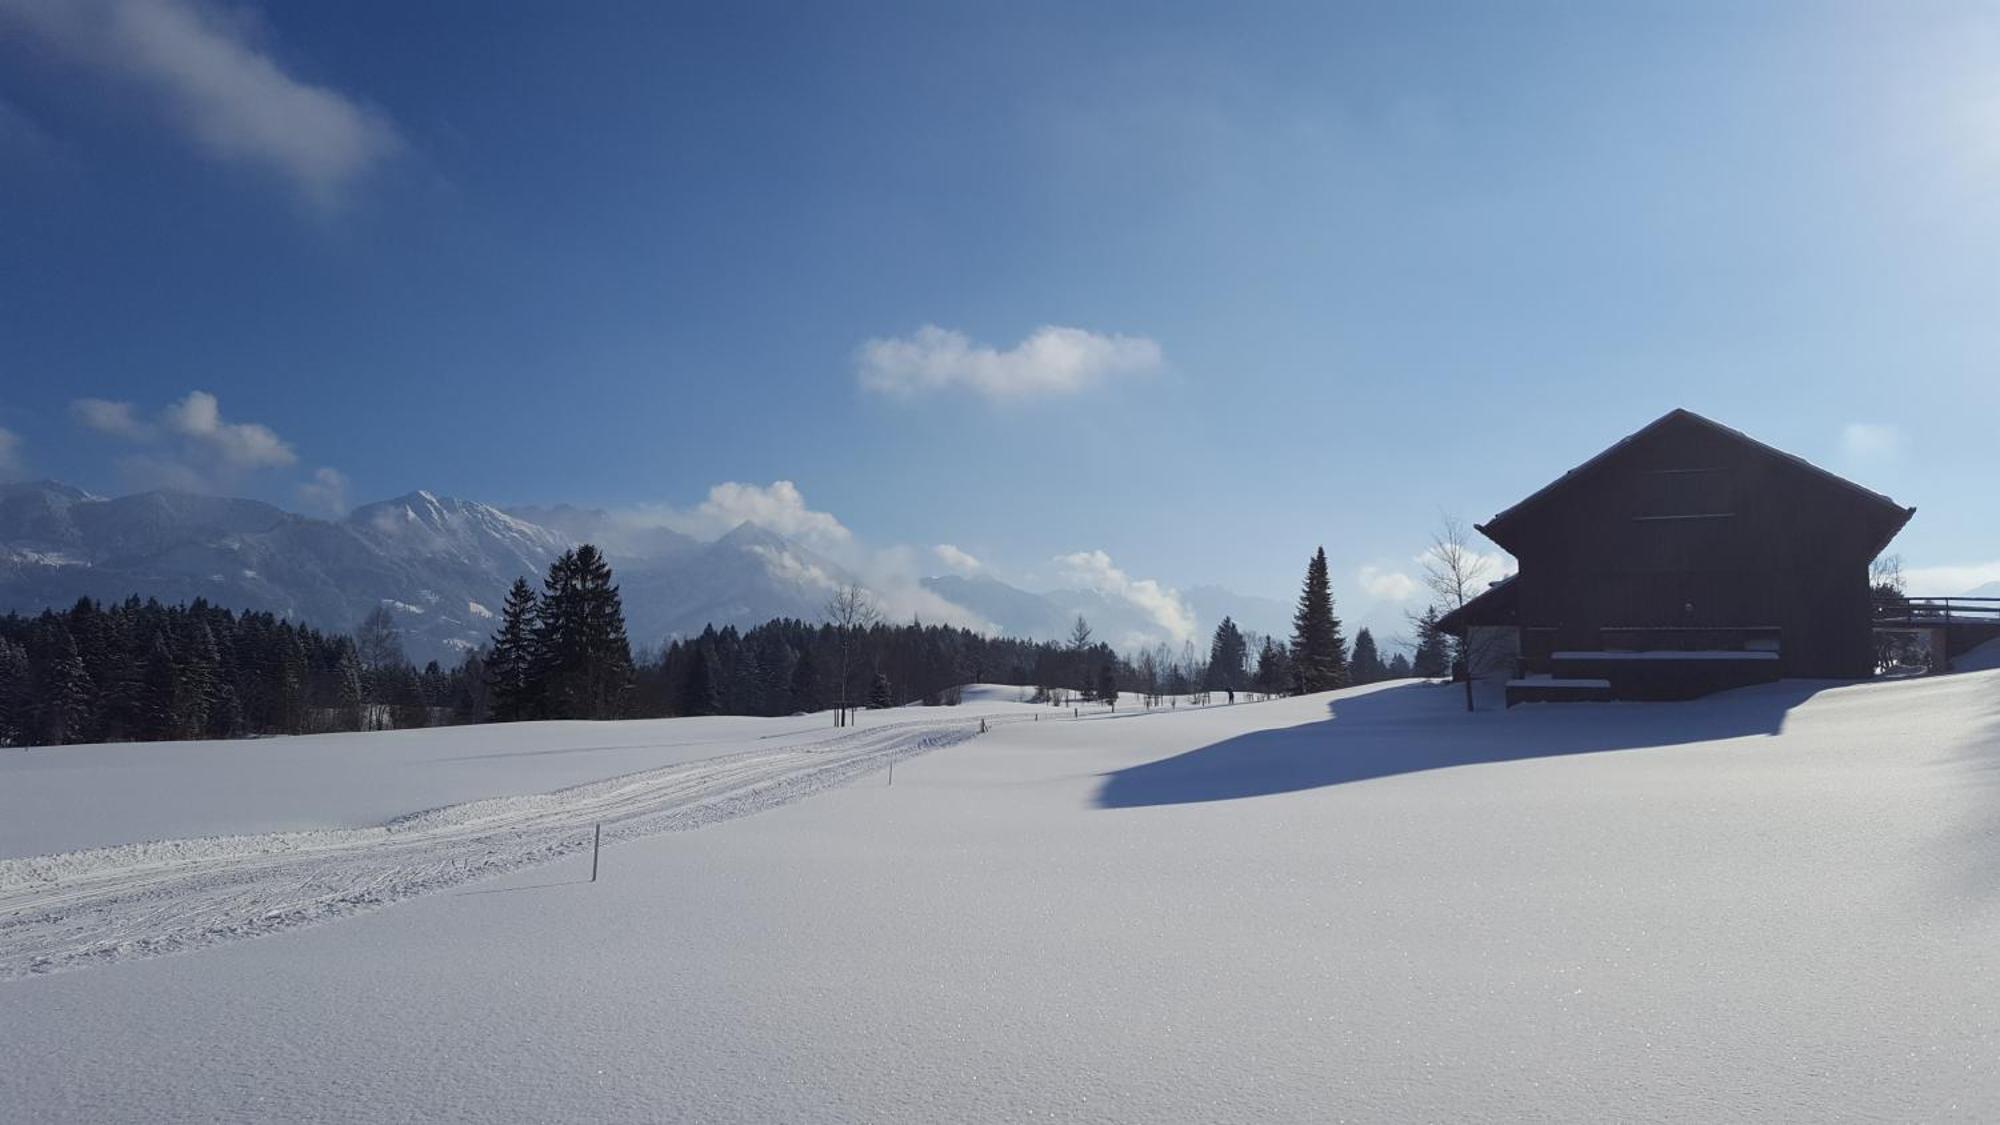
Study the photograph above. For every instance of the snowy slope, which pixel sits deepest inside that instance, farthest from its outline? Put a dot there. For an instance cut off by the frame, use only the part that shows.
(1771, 904)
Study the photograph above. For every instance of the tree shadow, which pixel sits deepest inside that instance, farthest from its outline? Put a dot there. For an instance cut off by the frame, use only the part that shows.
(1420, 727)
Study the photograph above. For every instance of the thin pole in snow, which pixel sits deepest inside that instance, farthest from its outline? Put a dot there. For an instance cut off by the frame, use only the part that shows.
(596, 838)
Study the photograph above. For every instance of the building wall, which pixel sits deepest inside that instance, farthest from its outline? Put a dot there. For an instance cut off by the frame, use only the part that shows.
(1690, 528)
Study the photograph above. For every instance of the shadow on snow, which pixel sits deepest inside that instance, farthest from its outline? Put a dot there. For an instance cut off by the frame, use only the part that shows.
(1425, 727)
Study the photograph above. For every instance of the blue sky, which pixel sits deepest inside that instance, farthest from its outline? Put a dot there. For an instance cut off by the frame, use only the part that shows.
(1196, 287)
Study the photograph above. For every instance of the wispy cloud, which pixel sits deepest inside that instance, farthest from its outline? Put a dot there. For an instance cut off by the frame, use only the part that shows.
(11, 464)
(1094, 570)
(247, 445)
(325, 493)
(191, 446)
(227, 93)
(1052, 361)
(955, 560)
(1871, 441)
(118, 419)
(1389, 585)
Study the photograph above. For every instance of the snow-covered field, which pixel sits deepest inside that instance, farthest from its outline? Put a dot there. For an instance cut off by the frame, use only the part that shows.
(1774, 903)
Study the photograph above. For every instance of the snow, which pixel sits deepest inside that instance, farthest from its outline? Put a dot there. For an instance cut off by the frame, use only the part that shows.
(1775, 902)
(477, 610)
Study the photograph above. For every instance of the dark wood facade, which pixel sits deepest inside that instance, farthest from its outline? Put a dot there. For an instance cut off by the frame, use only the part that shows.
(1691, 536)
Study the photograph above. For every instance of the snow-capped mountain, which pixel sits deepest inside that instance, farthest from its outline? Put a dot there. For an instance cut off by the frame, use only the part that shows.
(442, 565)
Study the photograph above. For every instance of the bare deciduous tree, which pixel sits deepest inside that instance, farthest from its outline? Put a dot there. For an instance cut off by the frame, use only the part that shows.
(1456, 573)
(850, 610)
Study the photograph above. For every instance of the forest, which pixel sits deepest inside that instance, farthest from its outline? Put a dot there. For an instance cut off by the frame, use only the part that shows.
(141, 671)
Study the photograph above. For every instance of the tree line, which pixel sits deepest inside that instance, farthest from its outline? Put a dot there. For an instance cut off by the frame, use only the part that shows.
(142, 671)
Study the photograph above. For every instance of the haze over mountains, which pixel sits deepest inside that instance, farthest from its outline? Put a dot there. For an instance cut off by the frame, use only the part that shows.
(443, 565)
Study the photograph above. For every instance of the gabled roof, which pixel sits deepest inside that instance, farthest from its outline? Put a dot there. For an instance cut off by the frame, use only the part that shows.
(1894, 513)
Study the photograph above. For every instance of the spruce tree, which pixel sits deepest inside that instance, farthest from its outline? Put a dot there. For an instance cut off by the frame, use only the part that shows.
(1107, 684)
(808, 694)
(879, 694)
(1365, 666)
(583, 664)
(1318, 657)
(1433, 656)
(13, 693)
(512, 664)
(1227, 653)
(1399, 667)
(701, 693)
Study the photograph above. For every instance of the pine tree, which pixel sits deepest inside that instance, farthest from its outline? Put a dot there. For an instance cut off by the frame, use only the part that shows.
(1227, 654)
(347, 694)
(1318, 657)
(159, 692)
(1274, 669)
(65, 694)
(1433, 655)
(808, 694)
(701, 694)
(1365, 666)
(1107, 684)
(512, 663)
(879, 695)
(583, 664)
(13, 693)
(1399, 667)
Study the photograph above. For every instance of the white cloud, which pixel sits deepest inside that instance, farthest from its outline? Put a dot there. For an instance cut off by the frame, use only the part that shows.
(1389, 585)
(248, 445)
(119, 419)
(326, 492)
(10, 454)
(1949, 581)
(1094, 570)
(1871, 440)
(1052, 361)
(778, 506)
(955, 560)
(204, 451)
(203, 67)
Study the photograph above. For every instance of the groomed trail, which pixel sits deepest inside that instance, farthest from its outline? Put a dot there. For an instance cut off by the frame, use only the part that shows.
(140, 900)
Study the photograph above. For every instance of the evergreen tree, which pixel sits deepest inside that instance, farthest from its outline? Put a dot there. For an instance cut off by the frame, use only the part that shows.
(1318, 657)
(512, 662)
(64, 695)
(583, 665)
(1399, 667)
(13, 693)
(159, 694)
(808, 693)
(1364, 665)
(1433, 655)
(1227, 654)
(1274, 669)
(1107, 684)
(348, 699)
(701, 691)
(879, 695)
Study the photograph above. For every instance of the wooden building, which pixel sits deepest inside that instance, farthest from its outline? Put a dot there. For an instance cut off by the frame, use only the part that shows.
(1686, 558)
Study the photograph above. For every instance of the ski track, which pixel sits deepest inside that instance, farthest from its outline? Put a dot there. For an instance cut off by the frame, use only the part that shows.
(142, 900)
